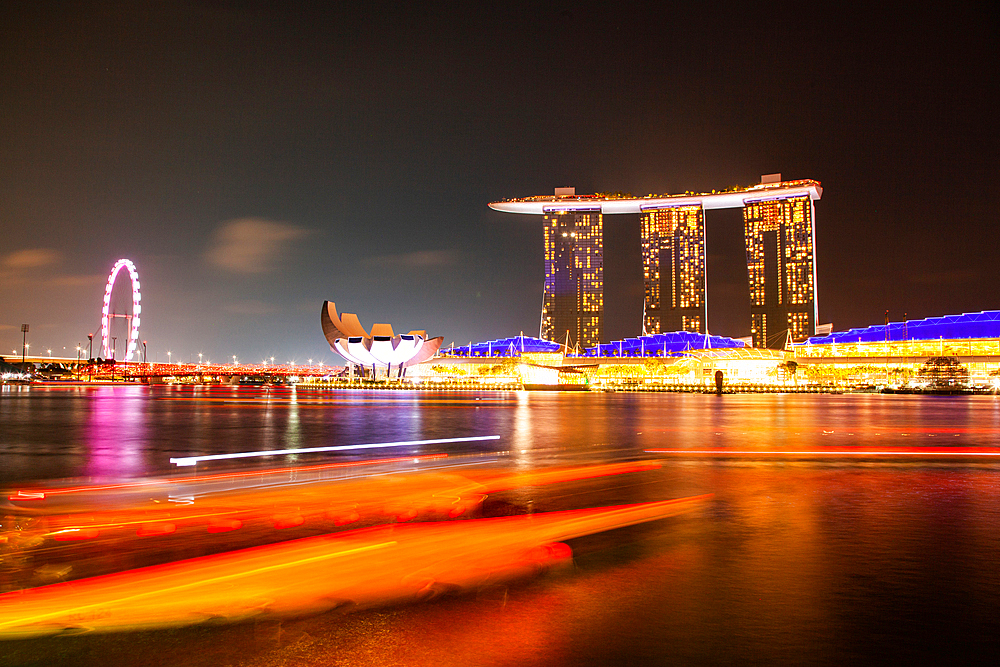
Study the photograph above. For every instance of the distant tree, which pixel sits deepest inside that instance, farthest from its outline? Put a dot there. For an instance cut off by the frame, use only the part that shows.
(944, 373)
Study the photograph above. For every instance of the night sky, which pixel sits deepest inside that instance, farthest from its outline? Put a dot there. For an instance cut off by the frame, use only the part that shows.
(255, 159)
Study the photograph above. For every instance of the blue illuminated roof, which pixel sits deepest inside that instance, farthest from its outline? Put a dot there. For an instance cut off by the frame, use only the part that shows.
(950, 327)
(504, 347)
(657, 345)
(661, 345)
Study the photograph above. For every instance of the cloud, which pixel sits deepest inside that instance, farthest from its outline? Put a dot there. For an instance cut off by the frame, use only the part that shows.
(251, 245)
(421, 259)
(17, 268)
(30, 258)
(78, 281)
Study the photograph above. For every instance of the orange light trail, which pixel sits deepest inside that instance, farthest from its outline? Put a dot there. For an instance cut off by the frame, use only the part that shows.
(361, 568)
(315, 504)
(41, 494)
(542, 477)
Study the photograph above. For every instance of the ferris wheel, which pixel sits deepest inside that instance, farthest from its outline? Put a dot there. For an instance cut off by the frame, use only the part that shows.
(121, 304)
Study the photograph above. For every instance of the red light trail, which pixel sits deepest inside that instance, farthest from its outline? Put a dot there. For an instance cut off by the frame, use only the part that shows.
(834, 451)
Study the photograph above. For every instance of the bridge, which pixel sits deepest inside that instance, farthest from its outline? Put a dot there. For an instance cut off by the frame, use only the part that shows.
(138, 371)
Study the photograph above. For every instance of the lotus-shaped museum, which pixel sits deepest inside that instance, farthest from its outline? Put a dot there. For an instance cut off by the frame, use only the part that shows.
(381, 348)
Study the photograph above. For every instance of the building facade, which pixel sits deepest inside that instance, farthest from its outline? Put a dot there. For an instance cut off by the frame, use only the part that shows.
(781, 269)
(573, 299)
(673, 257)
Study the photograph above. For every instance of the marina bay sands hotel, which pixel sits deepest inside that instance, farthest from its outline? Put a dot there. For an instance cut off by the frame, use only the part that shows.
(779, 231)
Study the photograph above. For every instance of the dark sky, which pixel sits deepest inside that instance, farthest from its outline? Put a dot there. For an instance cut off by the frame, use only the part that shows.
(255, 159)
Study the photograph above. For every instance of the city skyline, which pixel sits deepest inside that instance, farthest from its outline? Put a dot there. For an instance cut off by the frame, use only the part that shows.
(730, 393)
(253, 159)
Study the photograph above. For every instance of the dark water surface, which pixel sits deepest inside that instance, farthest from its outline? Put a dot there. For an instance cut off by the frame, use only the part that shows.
(799, 559)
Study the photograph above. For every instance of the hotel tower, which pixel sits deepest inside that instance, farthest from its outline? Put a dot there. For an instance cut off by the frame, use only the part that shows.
(573, 298)
(779, 232)
(781, 268)
(673, 267)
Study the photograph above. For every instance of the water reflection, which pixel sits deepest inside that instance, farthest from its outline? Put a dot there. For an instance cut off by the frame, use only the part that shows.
(796, 561)
(115, 432)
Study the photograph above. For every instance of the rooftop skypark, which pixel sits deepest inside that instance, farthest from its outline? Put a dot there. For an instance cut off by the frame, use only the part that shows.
(612, 203)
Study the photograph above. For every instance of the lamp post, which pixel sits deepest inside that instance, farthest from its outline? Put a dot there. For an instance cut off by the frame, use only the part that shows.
(24, 344)
(199, 358)
(168, 356)
(143, 351)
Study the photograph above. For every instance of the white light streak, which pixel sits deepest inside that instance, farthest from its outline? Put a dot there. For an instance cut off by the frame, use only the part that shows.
(194, 460)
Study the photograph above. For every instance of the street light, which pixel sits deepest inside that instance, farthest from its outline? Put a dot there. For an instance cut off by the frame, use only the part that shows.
(24, 344)
(143, 351)
(168, 356)
(199, 358)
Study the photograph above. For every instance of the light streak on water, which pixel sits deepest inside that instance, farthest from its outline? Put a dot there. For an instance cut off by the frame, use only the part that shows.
(358, 569)
(194, 460)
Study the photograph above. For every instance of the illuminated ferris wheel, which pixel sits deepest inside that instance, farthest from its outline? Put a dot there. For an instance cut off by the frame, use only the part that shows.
(121, 305)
